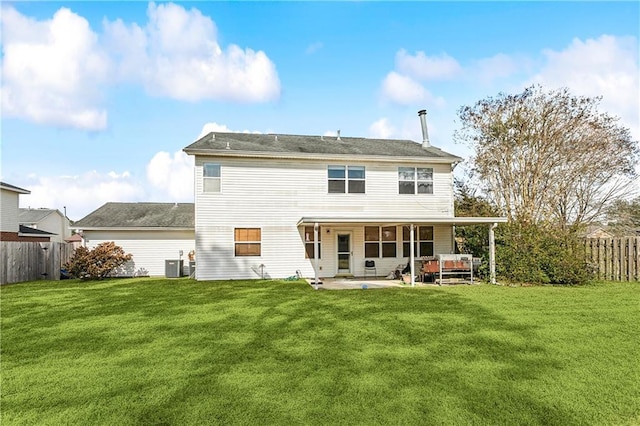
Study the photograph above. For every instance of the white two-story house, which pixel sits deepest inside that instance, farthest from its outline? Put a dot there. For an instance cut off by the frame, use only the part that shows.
(268, 205)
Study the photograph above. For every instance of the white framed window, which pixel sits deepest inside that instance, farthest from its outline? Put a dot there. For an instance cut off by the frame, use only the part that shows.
(248, 241)
(346, 179)
(210, 177)
(380, 241)
(309, 243)
(415, 180)
(422, 243)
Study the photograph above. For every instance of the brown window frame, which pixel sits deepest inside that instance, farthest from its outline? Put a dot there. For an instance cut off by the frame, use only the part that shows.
(309, 242)
(378, 246)
(421, 242)
(247, 242)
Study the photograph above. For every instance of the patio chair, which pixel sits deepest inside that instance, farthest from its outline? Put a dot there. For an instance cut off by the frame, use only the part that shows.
(370, 266)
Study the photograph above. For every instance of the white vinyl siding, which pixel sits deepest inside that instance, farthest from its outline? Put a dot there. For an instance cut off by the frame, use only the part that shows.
(150, 249)
(56, 223)
(9, 211)
(274, 195)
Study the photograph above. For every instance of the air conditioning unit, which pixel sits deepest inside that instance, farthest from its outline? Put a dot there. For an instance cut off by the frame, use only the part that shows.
(173, 268)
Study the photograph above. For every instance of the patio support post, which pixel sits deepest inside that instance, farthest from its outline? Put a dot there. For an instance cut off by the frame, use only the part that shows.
(492, 253)
(315, 255)
(412, 256)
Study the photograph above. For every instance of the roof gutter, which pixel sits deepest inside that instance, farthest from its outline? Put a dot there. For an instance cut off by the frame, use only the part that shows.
(460, 221)
(316, 156)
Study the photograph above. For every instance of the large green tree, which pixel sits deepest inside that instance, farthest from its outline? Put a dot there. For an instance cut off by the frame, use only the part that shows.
(548, 156)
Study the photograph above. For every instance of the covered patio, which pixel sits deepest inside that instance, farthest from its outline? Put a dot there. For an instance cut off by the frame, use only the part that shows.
(411, 223)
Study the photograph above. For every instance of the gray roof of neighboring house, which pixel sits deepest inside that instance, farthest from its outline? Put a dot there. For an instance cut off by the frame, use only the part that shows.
(140, 215)
(34, 231)
(14, 188)
(34, 215)
(300, 145)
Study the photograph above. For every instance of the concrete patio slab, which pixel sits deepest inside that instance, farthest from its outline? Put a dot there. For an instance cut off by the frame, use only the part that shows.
(357, 283)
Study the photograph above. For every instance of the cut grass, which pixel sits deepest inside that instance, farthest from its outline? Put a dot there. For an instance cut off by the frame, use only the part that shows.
(157, 351)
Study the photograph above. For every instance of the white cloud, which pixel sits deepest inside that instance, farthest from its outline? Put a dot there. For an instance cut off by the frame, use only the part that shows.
(423, 67)
(221, 128)
(402, 89)
(177, 55)
(81, 194)
(172, 175)
(52, 70)
(606, 66)
(56, 71)
(381, 129)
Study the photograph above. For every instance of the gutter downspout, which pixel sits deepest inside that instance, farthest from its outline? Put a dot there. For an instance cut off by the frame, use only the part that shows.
(492, 253)
(315, 255)
(412, 256)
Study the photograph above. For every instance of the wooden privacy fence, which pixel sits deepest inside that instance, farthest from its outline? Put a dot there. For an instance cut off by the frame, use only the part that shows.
(29, 261)
(614, 259)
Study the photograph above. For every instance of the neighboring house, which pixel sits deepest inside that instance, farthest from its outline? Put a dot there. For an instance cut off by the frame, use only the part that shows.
(50, 220)
(151, 232)
(270, 205)
(595, 231)
(10, 228)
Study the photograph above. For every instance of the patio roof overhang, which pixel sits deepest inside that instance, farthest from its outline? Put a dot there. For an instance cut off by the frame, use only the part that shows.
(394, 220)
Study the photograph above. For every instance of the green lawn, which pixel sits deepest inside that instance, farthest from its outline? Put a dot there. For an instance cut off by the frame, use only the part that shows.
(156, 351)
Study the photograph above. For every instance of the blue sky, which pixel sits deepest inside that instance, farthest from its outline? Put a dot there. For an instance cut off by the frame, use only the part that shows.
(99, 98)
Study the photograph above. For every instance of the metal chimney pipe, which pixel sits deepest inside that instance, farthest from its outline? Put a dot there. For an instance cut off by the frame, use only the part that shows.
(425, 134)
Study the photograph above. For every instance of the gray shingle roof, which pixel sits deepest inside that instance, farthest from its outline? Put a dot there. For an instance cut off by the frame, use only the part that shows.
(33, 215)
(140, 215)
(300, 145)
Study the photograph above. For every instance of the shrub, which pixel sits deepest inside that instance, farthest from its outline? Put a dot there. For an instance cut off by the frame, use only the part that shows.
(541, 255)
(98, 263)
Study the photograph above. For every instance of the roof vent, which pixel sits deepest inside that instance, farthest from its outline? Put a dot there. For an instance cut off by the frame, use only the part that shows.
(423, 121)
(338, 138)
(228, 146)
(213, 136)
(276, 138)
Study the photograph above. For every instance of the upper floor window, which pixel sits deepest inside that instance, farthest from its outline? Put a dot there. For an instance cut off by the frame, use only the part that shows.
(415, 180)
(346, 179)
(380, 240)
(248, 241)
(211, 177)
